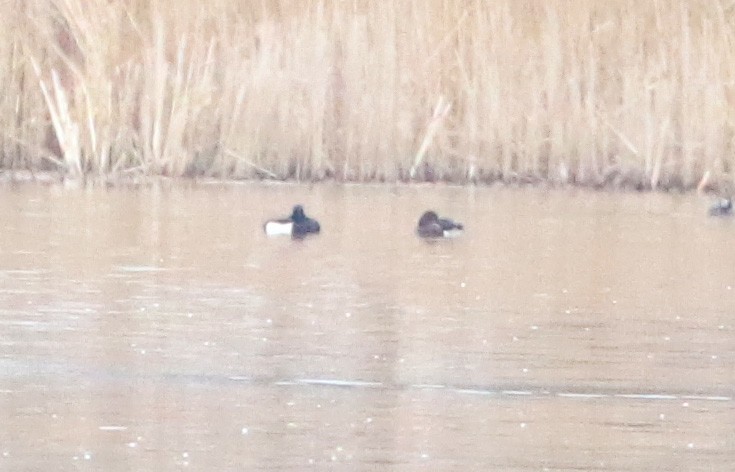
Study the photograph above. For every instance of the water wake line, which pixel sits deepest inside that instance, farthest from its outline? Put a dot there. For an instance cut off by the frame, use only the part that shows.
(540, 392)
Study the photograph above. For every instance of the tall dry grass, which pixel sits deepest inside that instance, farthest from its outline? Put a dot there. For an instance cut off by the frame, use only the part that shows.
(568, 91)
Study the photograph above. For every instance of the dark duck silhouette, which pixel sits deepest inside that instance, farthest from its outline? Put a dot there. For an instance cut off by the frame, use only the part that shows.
(297, 225)
(431, 226)
(722, 207)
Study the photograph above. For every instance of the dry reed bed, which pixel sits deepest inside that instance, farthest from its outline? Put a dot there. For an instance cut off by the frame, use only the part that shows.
(616, 92)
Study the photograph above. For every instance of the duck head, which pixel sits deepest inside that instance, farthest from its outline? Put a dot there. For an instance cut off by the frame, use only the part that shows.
(298, 216)
(428, 218)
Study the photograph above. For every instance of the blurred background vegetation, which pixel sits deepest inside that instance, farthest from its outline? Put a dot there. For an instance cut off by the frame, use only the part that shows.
(616, 93)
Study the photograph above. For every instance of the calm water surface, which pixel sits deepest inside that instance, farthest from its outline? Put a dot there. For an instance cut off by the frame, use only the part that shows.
(159, 329)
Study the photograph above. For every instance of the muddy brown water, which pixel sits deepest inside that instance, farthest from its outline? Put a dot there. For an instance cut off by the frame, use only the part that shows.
(159, 329)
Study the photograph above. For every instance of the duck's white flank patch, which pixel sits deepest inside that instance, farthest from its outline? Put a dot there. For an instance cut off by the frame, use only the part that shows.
(452, 233)
(278, 228)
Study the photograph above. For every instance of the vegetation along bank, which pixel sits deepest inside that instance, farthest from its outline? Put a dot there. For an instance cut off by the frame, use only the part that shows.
(616, 93)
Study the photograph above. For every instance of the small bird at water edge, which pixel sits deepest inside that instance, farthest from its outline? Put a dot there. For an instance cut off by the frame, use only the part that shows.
(722, 207)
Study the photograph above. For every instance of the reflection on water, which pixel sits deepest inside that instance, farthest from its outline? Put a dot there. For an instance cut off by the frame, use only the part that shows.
(156, 328)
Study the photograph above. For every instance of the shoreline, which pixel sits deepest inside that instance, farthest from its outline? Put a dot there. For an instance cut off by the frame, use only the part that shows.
(52, 178)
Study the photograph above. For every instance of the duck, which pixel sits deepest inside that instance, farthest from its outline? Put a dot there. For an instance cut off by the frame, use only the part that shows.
(297, 225)
(722, 207)
(431, 226)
